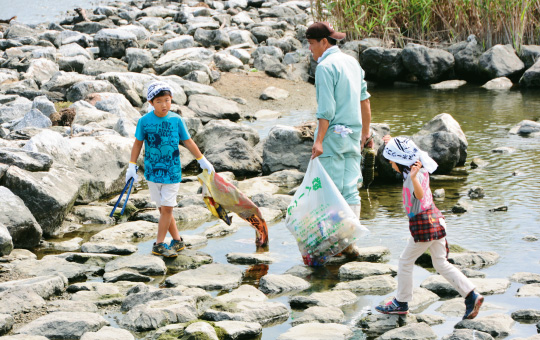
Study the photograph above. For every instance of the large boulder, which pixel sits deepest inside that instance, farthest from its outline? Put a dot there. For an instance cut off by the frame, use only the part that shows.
(500, 61)
(16, 217)
(466, 55)
(529, 54)
(113, 42)
(382, 64)
(208, 108)
(131, 85)
(531, 77)
(443, 139)
(173, 57)
(32, 119)
(64, 325)
(41, 70)
(212, 38)
(286, 148)
(13, 107)
(219, 131)
(428, 65)
(138, 59)
(80, 90)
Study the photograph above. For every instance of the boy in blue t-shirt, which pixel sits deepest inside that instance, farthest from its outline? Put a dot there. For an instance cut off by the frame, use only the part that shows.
(161, 131)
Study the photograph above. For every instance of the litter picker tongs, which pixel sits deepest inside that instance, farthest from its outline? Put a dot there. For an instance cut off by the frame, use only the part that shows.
(130, 184)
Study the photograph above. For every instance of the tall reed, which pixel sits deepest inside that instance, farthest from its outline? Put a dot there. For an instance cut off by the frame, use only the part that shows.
(515, 22)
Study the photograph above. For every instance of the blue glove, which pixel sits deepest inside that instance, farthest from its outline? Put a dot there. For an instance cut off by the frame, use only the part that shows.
(205, 164)
(132, 172)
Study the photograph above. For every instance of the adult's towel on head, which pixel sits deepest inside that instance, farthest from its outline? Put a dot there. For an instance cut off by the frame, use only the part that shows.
(221, 196)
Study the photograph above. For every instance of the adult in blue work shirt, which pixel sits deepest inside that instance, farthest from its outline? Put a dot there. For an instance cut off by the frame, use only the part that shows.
(343, 111)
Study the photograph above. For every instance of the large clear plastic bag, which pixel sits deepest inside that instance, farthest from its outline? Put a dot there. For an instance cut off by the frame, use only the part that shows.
(320, 219)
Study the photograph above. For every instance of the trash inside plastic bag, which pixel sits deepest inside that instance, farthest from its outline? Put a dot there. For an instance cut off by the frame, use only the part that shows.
(221, 196)
(320, 219)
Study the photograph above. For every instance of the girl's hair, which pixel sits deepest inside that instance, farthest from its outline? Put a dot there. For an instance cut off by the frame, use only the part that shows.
(162, 93)
(404, 170)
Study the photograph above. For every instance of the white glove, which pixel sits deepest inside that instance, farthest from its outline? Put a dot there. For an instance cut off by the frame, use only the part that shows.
(132, 172)
(205, 164)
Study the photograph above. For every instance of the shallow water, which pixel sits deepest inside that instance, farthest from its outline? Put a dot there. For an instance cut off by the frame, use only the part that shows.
(485, 117)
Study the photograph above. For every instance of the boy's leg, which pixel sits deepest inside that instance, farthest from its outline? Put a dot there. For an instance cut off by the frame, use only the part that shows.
(408, 257)
(456, 278)
(165, 216)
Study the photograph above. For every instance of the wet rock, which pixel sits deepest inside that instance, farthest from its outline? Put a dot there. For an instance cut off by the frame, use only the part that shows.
(154, 314)
(439, 285)
(6, 323)
(99, 293)
(525, 128)
(476, 192)
(274, 93)
(467, 334)
(530, 238)
(142, 264)
(531, 77)
(444, 140)
(213, 276)
(131, 231)
(532, 289)
(317, 331)
(90, 259)
(43, 286)
(427, 64)
(277, 284)
(113, 42)
(71, 306)
(246, 258)
(526, 315)
(372, 285)
(73, 244)
(478, 163)
(108, 333)
(448, 85)
(439, 193)
(208, 108)
(242, 293)
(499, 208)
(500, 61)
(501, 83)
(414, 331)
(239, 329)
(6, 242)
(466, 55)
(286, 148)
(222, 229)
(497, 325)
(382, 64)
(336, 298)
(360, 270)
(201, 330)
(505, 150)
(377, 324)
(23, 228)
(33, 118)
(188, 259)
(320, 315)
(471, 273)
(461, 206)
(108, 248)
(525, 278)
(475, 259)
(64, 325)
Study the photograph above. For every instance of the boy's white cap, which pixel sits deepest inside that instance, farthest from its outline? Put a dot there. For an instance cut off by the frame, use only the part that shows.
(157, 87)
(404, 151)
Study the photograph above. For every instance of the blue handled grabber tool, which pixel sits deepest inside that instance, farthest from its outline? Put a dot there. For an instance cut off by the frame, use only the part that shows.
(130, 184)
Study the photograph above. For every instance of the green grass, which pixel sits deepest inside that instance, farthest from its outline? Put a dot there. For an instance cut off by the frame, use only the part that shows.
(62, 105)
(398, 22)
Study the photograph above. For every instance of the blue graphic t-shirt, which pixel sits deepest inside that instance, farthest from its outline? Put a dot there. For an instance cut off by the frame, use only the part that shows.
(161, 136)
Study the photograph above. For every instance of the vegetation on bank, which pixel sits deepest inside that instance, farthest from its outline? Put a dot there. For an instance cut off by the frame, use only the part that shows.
(398, 22)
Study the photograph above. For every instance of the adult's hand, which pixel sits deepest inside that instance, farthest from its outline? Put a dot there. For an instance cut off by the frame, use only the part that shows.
(317, 150)
(365, 139)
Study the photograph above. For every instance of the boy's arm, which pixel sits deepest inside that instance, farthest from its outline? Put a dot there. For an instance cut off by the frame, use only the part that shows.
(193, 148)
(135, 151)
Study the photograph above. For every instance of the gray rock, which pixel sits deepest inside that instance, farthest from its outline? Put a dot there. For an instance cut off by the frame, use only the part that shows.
(474, 259)
(34, 118)
(24, 230)
(265, 62)
(321, 315)
(501, 83)
(209, 277)
(74, 50)
(93, 214)
(360, 270)
(14, 107)
(6, 242)
(504, 150)
(526, 315)
(52, 264)
(208, 108)
(185, 67)
(62, 81)
(277, 284)
(431, 320)
(372, 285)
(215, 38)
(41, 70)
(531, 289)
(439, 193)
(525, 278)
(97, 67)
(134, 87)
(20, 301)
(439, 285)
(71, 306)
(113, 42)
(286, 44)
(417, 331)
(529, 54)
(530, 238)
(80, 90)
(497, 325)
(461, 206)
(263, 312)
(227, 62)
(44, 105)
(274, 93)
(24, 337)
(188, 259)
(108, 248)
(500, 61)
(27, 160)
(172, 58)
(525, 128)
(476, 192)
(64, 325)
(262, 33)
(6, 323)
(247, 258)
(159, 313)
(89, 27)
(142, 264)
(471, 273)
(117, 104)
(466, 55)
(427, 64)
(377, 324)
(133, 231)
(336, 298)
(240, 37)
(108, 333)
(382, 64)
(237, 156)
(125, 275)
(286, 148)
(239, 329)
(280, 202)
(138, 59)
(183, 41)
(44, 286)
(221, 131)
(198, 76)
(448, 85)
(467, 334)
(317, 331)
(69, 37)
(241, 54)
(142, 298)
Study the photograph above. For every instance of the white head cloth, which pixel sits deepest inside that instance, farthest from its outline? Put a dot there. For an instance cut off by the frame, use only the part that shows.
(154, 89)
(404, 151)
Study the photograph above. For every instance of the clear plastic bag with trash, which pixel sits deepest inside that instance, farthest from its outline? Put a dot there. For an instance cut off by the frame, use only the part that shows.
(221, 197)
(320, 219)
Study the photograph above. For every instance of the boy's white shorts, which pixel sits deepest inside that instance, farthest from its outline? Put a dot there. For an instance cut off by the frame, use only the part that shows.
(163, 194)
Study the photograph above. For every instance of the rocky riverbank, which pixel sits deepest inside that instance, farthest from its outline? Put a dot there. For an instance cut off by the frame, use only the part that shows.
(59, 170)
